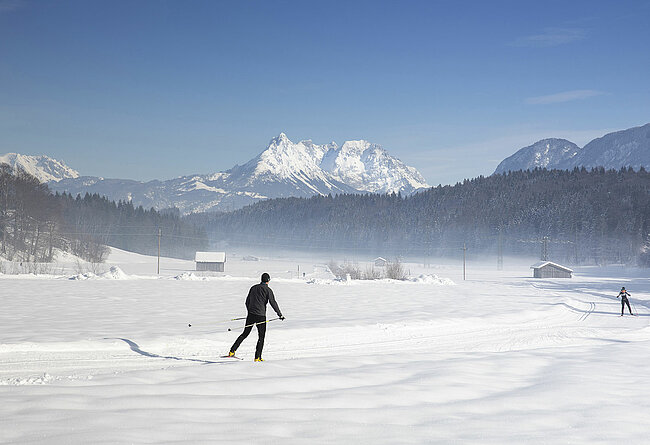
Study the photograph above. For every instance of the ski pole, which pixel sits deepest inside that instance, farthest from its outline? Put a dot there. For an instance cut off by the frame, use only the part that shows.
(259, 322)
(189, 325)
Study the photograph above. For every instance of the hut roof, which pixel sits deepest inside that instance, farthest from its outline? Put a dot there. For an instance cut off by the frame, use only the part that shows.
(210, 257)
(549, 263)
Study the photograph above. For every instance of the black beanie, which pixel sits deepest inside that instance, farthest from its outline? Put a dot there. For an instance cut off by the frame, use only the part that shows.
(266, 278)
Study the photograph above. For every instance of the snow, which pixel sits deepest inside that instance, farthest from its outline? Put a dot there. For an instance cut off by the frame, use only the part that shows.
(367, 166)
(500, 358)
(283, 169)
(42, 167)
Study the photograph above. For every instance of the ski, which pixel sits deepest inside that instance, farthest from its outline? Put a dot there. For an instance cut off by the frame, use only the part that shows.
(232, 356)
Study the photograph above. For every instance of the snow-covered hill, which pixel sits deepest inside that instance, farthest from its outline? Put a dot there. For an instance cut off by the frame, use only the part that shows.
(547, 153)
(626, 148)
(42, 167)
(283, 169)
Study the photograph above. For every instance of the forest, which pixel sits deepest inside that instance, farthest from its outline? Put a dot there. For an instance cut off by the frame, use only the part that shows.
(577, 217)
(34, 224)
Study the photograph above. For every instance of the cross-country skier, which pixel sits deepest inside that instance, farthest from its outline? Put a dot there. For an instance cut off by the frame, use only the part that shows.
(258, 296)
(624, 294)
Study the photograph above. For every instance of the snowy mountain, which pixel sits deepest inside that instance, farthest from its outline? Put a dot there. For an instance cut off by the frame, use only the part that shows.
(44, 168)
(283, 169)
(369, 167)
(626, 148)
(547, 153)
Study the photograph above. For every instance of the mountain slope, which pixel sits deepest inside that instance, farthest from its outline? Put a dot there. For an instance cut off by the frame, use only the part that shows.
(42, 167)
(626, 148)
(283, 169)
(369, 167)
(547, 153)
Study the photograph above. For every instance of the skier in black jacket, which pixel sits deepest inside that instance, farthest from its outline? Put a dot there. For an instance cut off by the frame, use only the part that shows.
(258, 296)
(624, 294)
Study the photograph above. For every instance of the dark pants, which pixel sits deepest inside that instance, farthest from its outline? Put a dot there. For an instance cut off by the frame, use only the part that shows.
(261, 332)
(625, 301)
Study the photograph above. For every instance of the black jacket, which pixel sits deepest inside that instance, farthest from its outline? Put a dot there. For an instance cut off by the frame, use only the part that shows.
(258, 296)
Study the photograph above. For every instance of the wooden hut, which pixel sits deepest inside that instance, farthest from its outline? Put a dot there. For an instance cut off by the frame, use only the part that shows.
(380, 262)
(210, 261)
(547, 269)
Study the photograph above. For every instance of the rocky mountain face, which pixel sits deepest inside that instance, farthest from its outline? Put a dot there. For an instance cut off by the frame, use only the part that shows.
(626, 148)
(283, 169)
(44, 168)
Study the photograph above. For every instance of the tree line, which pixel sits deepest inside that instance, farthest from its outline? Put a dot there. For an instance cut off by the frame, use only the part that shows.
(34, 224)
(598, 216)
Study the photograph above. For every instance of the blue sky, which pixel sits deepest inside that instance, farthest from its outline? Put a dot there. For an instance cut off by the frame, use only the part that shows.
(159, 89)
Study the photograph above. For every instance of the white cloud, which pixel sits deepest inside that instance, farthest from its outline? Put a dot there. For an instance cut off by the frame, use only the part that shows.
(551, 37)
(565, 96)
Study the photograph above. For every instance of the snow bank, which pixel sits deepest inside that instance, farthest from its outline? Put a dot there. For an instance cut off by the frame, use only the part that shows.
(83, 276)
(421, 279)
(189, 276)
(432, 279)
(42, 379)
(115, 273)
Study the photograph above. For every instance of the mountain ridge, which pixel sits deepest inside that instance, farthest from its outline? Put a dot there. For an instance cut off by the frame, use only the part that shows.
(43, 167)
(283, 169)
(623, 148)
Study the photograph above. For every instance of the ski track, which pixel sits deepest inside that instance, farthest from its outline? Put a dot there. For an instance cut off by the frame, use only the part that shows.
(550, 329)
(493, 360)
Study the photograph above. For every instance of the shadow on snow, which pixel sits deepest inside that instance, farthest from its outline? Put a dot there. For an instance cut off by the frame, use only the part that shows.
(135, 348)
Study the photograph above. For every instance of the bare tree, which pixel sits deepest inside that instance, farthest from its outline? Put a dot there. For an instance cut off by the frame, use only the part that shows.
(395, 270)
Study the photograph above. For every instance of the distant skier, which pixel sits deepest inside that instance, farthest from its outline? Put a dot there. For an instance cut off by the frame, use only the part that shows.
(258, 296)
(624, 294)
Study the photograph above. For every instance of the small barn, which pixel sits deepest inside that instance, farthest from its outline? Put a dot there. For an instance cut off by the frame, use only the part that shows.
(547, 269)
(380, 262)
(210, 261)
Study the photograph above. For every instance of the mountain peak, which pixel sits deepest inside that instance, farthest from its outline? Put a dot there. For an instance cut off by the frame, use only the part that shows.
(282, 169)
(624, 148)
(546, 153)
(44, 168)
(281, 138)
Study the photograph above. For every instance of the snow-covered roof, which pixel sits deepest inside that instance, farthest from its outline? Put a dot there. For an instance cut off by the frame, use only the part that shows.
(549, 263)
(210, 257)
(380, 259)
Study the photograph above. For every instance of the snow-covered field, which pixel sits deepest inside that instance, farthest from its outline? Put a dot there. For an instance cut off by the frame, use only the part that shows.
(500, 358)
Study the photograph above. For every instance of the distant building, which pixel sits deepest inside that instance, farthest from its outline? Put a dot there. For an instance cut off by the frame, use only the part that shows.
(250, 258)
(210, 261)
(380, 262)
(547, 269)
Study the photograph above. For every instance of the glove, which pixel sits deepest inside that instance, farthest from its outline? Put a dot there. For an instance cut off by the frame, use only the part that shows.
(282, 317)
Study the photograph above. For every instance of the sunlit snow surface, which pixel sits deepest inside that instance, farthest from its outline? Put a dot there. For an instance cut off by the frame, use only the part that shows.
(499, 358)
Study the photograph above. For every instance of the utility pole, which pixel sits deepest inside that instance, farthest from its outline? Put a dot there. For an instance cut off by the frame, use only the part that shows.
(545, 248)
(159, 235)
(464, 269)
